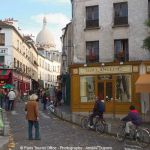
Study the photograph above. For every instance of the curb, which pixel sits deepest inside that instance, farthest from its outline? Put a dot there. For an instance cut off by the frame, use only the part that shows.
(76, 119)
(4, 142)
(4, 139)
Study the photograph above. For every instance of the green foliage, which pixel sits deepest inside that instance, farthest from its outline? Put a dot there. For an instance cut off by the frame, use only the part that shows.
(147, 22)
(146, 42)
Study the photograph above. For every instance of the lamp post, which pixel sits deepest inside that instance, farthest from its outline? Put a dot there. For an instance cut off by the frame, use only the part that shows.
(64, 59)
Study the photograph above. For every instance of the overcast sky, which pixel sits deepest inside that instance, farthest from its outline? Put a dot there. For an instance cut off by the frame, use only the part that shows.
(29, 14)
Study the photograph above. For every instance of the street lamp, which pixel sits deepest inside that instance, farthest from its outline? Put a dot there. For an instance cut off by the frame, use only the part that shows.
(64, 59)
(64, 56)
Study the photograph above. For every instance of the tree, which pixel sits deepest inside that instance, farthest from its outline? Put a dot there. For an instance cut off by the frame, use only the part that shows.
(146, 42)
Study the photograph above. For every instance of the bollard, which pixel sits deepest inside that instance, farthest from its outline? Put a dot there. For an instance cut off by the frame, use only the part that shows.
(108, 127)
(6, 129)
(1, 120)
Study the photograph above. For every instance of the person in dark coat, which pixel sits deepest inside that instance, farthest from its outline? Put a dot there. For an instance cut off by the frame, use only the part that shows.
(59, 96)
(44, 100)
(98, 110)
(133, 118)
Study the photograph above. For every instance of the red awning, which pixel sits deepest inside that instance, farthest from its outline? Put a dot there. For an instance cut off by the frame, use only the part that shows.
(4, 73)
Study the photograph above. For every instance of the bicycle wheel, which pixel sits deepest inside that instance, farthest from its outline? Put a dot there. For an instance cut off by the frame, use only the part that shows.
(143, 137)
(84, 122)
(100, 127)
(121, 133)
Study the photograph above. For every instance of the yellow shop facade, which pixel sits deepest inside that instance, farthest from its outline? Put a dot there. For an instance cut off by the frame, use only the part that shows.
(116, 82)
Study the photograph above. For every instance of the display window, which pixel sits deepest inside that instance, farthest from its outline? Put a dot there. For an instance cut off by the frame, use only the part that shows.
(123, 88)
(87, 88)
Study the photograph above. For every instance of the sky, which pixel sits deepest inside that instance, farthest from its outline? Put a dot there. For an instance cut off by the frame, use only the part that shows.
(29, 15)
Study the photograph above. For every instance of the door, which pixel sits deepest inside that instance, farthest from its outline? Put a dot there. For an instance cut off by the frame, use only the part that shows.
(105, 90)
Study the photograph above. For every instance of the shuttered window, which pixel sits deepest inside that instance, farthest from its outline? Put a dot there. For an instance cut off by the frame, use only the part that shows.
(2, 39)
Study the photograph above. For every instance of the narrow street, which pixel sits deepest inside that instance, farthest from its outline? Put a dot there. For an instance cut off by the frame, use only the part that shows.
(57, 134)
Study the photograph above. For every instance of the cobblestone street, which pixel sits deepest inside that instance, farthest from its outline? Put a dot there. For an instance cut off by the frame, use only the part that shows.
(57, 134)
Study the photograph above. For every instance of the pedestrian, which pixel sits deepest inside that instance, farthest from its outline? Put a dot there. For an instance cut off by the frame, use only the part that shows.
(11, 96)
(52, 92)
(44, 100)
(1, 98)
(32, 115)
(59, 96)
(6, 99)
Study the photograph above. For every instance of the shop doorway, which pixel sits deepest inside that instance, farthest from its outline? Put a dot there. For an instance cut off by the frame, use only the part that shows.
(106, 90)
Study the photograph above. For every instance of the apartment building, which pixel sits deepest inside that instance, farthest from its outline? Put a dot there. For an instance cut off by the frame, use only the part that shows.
(18, 57)
(108, 54)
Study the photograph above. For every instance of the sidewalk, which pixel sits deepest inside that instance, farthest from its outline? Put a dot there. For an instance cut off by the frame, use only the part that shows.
(65, 113)
(4, 133)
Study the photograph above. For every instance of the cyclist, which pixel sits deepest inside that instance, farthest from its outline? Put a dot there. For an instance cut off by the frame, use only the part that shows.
(98, 110)
(133, 118)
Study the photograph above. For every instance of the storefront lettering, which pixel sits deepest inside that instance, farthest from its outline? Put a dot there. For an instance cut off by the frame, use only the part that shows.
(105, 70)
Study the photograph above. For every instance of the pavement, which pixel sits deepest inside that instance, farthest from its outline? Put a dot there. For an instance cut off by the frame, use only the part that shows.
(64, 112)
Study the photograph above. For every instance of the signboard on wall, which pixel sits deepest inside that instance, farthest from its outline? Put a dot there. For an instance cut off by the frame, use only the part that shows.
(105, 70)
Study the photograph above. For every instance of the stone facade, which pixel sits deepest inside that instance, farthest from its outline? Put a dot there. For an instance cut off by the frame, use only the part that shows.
(135, 32)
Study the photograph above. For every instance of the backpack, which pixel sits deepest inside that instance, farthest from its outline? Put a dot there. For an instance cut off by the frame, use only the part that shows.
(101, 106)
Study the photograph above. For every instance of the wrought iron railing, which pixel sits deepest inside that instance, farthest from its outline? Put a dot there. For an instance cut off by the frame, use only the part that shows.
(120, 20)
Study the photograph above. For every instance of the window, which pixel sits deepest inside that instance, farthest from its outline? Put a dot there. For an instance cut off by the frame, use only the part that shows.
(2, 39)
(149, 8)
(121, 50)
(17, 64)
(123, 88)
(121, 13)
(87, 89)
(92, 16)
(1, 59)
(92, 51)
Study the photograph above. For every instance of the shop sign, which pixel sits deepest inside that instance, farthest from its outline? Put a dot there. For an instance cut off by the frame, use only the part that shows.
(105, 70)
(3, 50)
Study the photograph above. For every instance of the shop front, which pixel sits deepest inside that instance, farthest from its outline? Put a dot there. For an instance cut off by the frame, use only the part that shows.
(21, 82)
(115, 83)
(5, 76)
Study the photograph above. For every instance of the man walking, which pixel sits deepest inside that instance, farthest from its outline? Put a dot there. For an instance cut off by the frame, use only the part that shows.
(11, 96)
(33, 116)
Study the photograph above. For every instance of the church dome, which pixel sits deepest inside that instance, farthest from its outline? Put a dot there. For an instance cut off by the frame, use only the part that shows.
(45, 38)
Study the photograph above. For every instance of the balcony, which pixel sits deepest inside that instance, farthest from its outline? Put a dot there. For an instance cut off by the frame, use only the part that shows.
(120, 21)
(92, 23)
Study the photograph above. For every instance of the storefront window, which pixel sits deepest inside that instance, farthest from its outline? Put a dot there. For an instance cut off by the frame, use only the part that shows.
(87, 89)
(123, 88)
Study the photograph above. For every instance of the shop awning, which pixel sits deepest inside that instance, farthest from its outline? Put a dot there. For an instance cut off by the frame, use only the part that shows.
(142, 85)
(4, 73)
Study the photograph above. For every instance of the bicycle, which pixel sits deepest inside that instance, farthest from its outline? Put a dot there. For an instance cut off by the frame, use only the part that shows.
(99, 123)
(140, 135)
(51, 107)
